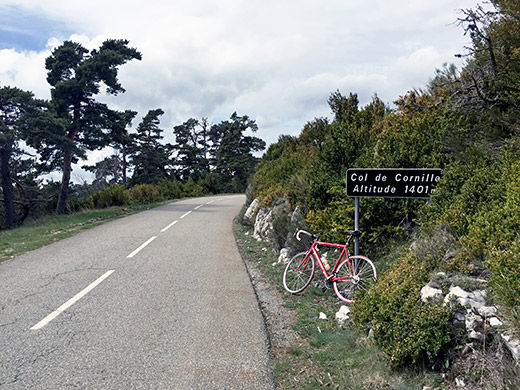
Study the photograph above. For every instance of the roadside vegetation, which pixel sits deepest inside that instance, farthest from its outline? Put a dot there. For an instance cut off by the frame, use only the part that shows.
(51, 228)
(328, 354)
(42, 137)
(465, 122)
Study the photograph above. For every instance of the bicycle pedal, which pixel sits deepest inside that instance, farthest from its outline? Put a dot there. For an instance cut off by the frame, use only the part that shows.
(326, 286)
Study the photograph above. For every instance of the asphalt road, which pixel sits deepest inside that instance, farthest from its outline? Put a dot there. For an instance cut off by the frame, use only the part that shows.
(157, 300)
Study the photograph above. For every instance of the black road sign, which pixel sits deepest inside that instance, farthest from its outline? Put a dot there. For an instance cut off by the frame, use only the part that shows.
(392, 183)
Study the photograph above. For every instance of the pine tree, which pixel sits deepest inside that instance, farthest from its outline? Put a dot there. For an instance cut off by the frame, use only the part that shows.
(150, 158)
(75, 76)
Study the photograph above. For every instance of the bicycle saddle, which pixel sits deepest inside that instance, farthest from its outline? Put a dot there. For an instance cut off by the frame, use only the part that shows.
(355, 233)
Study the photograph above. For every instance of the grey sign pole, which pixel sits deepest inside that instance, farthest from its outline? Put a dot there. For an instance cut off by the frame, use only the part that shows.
(356, 224)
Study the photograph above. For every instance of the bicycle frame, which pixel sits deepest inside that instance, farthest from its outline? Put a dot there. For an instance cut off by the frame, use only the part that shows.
(329, 277)
(348, 273)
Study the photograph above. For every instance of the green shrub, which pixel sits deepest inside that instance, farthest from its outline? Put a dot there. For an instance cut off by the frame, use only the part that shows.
(191, 188)
(406, 329)
(84, 203)
(332, 222)
(112, 195)
(146, 193)
(495, 232)
(505, 280)
(170, 189)
(210, 183)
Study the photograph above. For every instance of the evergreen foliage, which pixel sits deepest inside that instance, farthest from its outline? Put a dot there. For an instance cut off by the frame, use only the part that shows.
(75, 76)
(465, 122)
(205, 159)
(150, 158)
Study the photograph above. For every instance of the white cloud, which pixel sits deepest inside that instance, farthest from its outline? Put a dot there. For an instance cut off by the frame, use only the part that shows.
(276, 61)
(24, 70)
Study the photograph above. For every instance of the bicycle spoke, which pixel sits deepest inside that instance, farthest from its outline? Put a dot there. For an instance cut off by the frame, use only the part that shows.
(298, 273)
(363, 275)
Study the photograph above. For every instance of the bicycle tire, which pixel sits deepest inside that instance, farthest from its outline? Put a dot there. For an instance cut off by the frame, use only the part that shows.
(297, 278)
(365, 275)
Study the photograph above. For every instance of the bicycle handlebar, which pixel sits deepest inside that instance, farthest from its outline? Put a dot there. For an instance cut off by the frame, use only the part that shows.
(352, 233)
(304, 232)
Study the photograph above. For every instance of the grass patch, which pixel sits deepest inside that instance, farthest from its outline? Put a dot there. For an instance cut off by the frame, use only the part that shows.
(332, 356)
(46, 230)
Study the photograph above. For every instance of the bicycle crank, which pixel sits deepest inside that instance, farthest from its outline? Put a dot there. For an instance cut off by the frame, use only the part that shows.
(326, 285)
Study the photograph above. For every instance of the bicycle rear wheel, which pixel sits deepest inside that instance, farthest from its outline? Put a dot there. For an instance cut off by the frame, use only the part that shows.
(356, 273)
(299, 272)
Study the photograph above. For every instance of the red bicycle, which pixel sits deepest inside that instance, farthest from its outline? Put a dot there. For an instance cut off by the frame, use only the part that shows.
(349, 273)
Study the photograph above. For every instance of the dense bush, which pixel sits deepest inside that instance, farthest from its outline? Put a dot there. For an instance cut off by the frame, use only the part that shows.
(465, 122)
(112, 195)
(170, 189)
(407, 329)
(145, 193)
(191, 188)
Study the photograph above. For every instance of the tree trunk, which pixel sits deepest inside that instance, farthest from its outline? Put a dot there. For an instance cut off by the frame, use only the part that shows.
(65, 180)
(124, 165)
(61, 207)
(7, 188)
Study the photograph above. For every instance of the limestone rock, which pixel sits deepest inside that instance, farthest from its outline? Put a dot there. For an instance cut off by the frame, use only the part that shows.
(494, 322)
(487, 311)
(284, 256)
(476, 336)
(343, 314)
(431, 294)
(473, 321)
(250, 212)
(263, 224)
(513, 344)
(475, 299)
(297, 218)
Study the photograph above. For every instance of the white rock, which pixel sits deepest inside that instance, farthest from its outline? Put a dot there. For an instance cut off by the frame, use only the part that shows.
(474, 335)
(456, 294)
(513, 344)
(487, 311)
(343, 314)
(250, 212)
(263, 224)
(323, 316)
(475, 299)
(431, 294)
(459, 382)
(284, 256)
(495, 322)
(473, 321)
(297, 217)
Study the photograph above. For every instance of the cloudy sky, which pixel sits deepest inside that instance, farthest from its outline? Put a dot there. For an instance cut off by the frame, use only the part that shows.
(276, 61)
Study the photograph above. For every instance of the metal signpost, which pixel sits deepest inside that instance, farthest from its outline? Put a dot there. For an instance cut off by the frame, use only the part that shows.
(389, 183)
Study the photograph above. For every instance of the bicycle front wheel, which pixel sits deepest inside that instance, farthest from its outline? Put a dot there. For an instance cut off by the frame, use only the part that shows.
(298, 272)
(354, 274)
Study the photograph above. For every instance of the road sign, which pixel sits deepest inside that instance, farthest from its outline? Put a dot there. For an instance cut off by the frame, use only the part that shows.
(392, 183)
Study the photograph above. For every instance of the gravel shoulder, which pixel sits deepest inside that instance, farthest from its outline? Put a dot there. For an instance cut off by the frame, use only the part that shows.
(291, 363)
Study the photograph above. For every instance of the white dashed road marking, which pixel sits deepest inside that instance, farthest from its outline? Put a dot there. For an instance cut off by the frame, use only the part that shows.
(71, 301)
